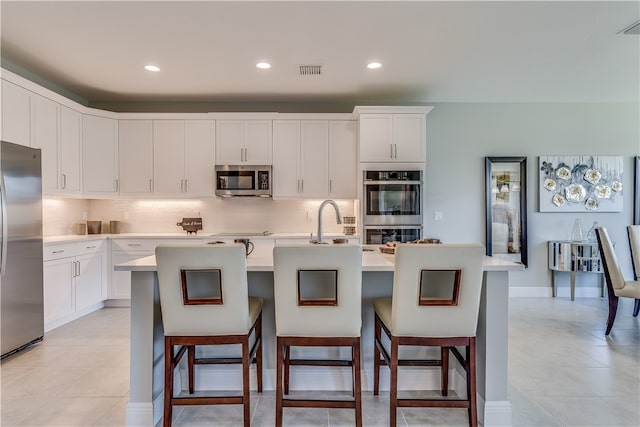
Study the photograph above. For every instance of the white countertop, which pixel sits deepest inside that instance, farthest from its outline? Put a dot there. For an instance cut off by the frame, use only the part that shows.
(372, 260)
(183, 235)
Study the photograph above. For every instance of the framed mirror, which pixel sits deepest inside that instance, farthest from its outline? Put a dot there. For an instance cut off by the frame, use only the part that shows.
(506, 210)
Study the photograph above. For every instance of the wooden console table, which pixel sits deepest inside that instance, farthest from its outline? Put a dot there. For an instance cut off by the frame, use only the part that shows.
(565, 255)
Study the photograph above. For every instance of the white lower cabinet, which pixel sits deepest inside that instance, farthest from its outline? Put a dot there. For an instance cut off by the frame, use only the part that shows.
(74, 280)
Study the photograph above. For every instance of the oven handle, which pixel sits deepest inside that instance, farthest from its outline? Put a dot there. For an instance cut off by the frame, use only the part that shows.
(392, 182)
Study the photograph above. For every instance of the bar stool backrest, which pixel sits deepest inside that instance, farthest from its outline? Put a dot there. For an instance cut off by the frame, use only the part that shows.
(634, 245)
(228, 316)
(409, 318)
(295, 319)
(612, 268)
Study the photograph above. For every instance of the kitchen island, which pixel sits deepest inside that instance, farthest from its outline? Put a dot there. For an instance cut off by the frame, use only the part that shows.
(147, 344)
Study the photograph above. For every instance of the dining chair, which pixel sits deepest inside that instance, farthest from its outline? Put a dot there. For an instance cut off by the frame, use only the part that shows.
(435, 303)
(633, 231)
(204, 302)
(617, 286)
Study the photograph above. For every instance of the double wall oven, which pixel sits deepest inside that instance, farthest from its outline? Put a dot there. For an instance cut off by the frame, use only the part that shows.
(392, 206)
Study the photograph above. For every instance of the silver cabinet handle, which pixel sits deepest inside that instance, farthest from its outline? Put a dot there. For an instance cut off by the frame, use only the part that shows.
(182, 185)
(330, 186)
(186, 185)
(302, 185)
(90, 247)
(391, 150)
(117, 184)
(134, 244)
(64, 181)
(395, 151)
(58, 252)
(78, 268)
(150, 186)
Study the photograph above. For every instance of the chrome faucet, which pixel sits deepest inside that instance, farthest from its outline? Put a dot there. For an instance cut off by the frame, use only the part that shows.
(338, 218)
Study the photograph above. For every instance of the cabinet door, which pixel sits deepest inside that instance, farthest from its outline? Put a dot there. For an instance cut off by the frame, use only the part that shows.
(229, 142)
(16, 114)
(286, 158)
(168, 157)
(69, 151)
(121, 280)
(376, 138)
(199, 158)
(343, 142)
(89, 279)
(135, 152)
(409, 137)
(314, 157)
(58, 289)
(258, 142)
(45, 137)
(99, 156)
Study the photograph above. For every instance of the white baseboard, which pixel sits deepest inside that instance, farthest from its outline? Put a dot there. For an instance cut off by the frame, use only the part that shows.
(546, 291)
(117, 303)
(141, 414)
(495, 413)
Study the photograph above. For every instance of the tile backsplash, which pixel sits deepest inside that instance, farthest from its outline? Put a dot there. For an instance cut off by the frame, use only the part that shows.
(218, 215)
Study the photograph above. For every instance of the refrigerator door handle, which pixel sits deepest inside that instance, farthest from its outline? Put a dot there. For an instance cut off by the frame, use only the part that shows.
(5, 237)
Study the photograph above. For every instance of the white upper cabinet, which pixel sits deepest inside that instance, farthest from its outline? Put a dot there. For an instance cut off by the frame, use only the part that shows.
(199, 152)
(183, 153)
(168, 157)
(69, 151)
(45, 136)
(343, 145)
(392, 137)
(300, 158)
(247, 142)
(135, 153)
(99, 156)
(16, 114)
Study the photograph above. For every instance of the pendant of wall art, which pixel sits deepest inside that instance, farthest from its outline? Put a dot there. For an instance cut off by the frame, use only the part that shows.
(580, 183)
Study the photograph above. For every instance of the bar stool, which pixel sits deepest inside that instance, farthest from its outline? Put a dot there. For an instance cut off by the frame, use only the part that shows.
(435, 302)
(204, 301)
(317, 292)
(633, 232)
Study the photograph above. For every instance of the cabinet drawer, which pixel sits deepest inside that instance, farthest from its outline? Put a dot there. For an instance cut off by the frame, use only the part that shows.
(134, 244)
(58, 251)
(90, 247)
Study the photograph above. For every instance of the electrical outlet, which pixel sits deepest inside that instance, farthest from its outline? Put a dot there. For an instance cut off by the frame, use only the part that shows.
(437, 216)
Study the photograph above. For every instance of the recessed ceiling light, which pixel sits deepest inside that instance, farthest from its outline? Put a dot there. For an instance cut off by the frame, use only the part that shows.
(374, 65)
(152, 68)
(263, 65)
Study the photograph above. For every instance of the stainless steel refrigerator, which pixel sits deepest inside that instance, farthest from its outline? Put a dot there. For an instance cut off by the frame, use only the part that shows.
(21, 292)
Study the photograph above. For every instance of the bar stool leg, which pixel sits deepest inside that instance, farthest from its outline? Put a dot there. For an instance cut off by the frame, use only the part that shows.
(393, 386)
(191, 354)
(168, 381)
(444, 371)
(287, 358)
(258, 336)
(376, 356)
(357, 386)
(279, 363)
(471, 382)
(245, 382)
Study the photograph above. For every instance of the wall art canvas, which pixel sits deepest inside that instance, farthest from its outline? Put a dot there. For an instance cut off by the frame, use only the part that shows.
(580, 183)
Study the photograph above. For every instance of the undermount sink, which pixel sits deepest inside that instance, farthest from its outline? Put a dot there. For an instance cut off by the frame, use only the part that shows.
(245, 234)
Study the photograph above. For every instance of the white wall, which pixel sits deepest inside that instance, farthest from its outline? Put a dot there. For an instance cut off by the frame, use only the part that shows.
(460, 136)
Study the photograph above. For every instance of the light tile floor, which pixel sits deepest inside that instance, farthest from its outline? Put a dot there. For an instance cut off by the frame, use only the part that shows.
(562, 371)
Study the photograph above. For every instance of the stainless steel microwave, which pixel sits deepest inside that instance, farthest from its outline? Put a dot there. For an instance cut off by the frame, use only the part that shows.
(247, 181)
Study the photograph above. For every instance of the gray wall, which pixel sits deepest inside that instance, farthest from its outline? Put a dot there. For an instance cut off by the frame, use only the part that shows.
(460, 136)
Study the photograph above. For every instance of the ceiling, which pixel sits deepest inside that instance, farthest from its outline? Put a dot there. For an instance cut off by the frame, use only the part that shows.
(450, 51)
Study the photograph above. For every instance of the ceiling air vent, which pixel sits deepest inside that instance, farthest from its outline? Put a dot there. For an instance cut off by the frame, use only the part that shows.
(633, 29)
(310, 70)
